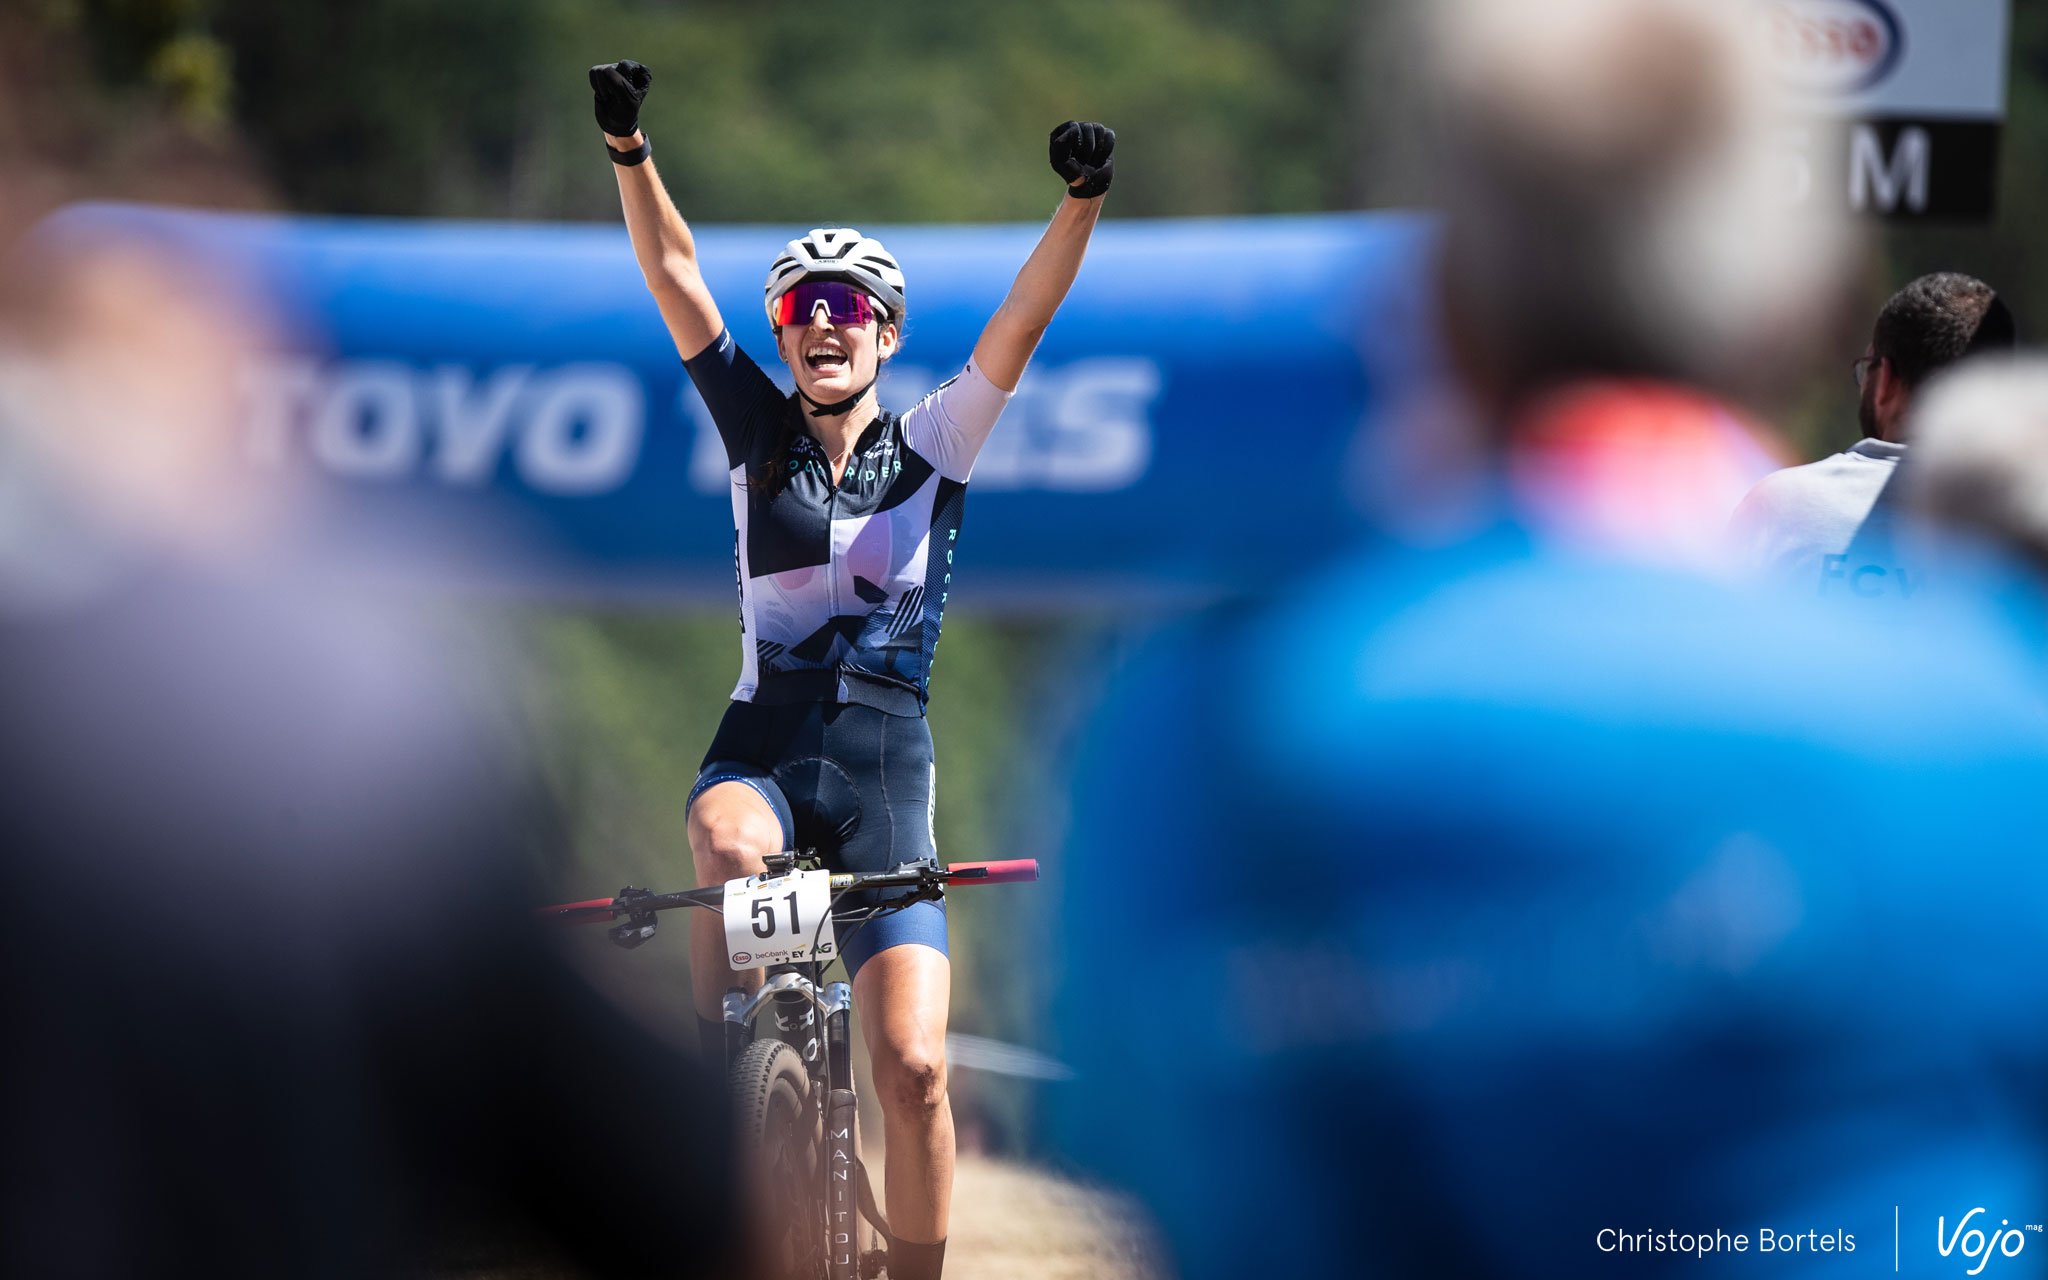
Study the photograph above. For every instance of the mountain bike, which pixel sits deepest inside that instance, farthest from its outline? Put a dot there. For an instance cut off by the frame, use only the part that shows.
(789, 1047)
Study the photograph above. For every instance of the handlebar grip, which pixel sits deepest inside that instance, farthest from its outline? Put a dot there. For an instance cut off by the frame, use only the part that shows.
(1012, 871)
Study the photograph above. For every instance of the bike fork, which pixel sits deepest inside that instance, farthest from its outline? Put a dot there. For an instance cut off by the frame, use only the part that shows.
(842, 1207)
(736, 1030)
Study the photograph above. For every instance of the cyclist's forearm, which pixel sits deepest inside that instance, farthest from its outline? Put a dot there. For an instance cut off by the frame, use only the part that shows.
(1013, 333)
(667, 253)
(1049, 272)
(661, 239)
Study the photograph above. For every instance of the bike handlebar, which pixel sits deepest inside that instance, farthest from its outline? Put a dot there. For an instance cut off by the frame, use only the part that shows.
(634, 902)
(1010, 871)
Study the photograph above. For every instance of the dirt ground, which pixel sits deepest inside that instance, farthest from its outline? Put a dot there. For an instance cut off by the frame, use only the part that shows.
(1015, 1222)
(1010, 1222)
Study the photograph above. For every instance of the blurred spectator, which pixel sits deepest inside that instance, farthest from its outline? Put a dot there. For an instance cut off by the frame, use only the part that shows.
(1977, 490)
(1828, 527)
(1981, 457)
(1444, 911)
(272, 1002)
(1618, 241)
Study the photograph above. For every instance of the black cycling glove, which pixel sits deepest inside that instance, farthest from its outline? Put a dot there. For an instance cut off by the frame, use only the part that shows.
(619, 87)
(1081, 151)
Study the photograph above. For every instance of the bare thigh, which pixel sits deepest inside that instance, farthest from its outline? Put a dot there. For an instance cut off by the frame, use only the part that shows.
(732, 830)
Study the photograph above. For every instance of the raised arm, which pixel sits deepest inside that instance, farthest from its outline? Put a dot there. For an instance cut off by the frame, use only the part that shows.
(1081, 153)
(661, 240)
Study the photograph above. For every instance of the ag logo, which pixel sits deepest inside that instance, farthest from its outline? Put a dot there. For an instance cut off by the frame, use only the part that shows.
(742, 957)
(1980, 1241)
(1835, 47)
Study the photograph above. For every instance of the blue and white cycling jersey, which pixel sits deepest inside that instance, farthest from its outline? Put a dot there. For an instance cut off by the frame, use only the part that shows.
(842, 587)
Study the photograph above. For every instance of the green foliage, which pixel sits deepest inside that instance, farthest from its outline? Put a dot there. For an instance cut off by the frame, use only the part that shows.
(619, 708)
(773, 110)
(193, 70)
(129, 34)
(387, 106)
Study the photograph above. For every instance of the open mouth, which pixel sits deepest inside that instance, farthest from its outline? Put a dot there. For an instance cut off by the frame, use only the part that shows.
(825, 359)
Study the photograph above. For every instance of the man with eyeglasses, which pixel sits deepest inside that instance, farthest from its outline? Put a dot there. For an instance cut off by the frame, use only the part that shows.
(1826, 526)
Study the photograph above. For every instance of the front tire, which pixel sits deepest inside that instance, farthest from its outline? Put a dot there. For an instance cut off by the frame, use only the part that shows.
(780, 1143)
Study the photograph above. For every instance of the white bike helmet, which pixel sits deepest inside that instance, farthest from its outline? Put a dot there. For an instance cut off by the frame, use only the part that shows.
(838, 253)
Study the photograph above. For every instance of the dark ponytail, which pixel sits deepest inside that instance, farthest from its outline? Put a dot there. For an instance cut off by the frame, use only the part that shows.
(773, 476)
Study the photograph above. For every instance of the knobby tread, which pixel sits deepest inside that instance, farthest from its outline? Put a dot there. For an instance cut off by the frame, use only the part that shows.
(754, 1075)
(768, 1078)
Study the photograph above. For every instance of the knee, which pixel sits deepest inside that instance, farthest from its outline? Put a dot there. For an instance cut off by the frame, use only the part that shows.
(727, 841)
(912, 1083)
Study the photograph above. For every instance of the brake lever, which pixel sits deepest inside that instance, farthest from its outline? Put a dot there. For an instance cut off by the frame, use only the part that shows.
(931, 880)
(638, 926)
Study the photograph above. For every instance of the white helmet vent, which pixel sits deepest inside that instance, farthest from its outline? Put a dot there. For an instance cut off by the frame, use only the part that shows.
(837, 253)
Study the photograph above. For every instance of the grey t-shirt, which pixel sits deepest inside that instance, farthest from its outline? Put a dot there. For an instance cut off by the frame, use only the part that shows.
(1827, 526)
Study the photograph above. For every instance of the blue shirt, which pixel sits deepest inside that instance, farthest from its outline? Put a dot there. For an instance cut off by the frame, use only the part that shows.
(1444, 911)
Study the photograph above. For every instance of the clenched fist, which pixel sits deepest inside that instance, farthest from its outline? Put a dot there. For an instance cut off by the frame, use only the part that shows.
(1081, 156)
(619, 87)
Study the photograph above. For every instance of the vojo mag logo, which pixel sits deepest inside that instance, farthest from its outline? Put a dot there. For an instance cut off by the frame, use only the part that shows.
(1834, 47)
(1976, 1238)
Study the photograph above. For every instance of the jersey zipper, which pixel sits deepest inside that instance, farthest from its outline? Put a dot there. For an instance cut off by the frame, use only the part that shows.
(832, 568)
(831, 547)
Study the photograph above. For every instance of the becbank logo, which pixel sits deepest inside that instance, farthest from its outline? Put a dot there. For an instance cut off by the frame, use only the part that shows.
(1976, 1238)
(1835, 46)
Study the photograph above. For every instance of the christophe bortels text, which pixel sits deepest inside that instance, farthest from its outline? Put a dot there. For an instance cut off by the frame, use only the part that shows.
(1702, 1243)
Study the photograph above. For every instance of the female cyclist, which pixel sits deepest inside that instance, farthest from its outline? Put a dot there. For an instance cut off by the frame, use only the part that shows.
(847, 517)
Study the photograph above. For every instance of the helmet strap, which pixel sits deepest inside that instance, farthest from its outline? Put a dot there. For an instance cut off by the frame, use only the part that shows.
(838, 407)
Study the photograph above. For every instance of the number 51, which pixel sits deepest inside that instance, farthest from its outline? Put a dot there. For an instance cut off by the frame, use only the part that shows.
(764, 917)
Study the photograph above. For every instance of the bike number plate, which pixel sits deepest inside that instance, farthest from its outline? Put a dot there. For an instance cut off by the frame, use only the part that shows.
(779, 920)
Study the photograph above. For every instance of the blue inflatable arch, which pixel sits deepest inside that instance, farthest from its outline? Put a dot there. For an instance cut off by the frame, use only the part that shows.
(500, 402)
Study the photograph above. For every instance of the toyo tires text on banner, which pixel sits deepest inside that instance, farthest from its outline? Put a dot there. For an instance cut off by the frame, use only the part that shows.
(499, 403)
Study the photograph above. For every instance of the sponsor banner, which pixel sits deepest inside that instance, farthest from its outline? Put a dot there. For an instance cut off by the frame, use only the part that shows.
(1900, 168)
(1905, 97)
(1859, 59)
(500, 403)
